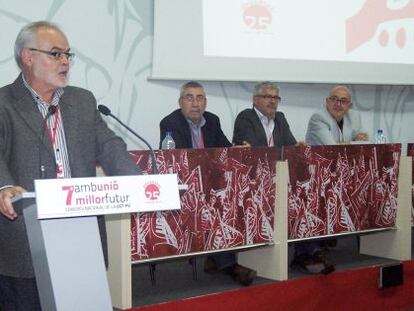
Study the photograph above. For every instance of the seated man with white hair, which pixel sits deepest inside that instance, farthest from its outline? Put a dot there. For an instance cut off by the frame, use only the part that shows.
(336, 123)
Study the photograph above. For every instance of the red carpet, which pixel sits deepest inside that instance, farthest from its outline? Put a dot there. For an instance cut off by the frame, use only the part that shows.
(351, 290)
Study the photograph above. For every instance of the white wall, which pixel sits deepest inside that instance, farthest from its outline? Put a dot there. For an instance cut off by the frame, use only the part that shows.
(113, 43)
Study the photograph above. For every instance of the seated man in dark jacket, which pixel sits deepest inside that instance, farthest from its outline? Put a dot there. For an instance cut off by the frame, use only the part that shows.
(263, 125)
(193, 127)
(190, 125)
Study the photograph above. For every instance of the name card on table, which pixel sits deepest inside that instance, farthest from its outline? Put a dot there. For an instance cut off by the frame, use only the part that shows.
(72, 197)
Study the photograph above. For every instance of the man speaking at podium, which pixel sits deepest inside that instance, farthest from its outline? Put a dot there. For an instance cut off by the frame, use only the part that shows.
(47, 130)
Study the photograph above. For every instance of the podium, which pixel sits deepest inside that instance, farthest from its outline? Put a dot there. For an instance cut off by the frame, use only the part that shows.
(67, 259)
(63, 233)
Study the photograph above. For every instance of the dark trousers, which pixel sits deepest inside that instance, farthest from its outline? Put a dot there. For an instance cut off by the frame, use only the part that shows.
(307, 248)
(224, 260)
(18, 294)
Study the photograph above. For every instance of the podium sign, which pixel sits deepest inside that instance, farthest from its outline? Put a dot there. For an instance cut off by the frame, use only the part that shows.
(59, 198)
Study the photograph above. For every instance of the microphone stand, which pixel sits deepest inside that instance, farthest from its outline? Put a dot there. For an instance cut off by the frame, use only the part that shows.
(106, 111)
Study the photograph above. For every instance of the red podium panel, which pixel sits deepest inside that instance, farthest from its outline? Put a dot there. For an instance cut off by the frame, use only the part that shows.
(410, 153)
(229, 202)
(341, 188)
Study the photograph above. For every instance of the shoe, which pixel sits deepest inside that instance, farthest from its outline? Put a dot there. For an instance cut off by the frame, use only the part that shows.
(243, 275)
(306, 264)
(210, 265)
(328, 267)
(314, 264)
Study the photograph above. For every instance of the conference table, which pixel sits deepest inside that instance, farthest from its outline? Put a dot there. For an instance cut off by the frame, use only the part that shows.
(229, 202)
(342, 188)
(258, 200)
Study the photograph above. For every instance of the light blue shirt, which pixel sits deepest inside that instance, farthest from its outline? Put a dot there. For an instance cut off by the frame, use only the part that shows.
(196, 134)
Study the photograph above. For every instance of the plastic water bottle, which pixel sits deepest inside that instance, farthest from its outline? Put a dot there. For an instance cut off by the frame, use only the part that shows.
(168, 142)
(380, 137)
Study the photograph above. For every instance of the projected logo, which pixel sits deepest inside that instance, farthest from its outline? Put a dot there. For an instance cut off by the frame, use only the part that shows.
(362, 27)
(257, 15)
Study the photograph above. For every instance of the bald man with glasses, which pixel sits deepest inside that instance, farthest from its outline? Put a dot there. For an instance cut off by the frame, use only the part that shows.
(337, 122)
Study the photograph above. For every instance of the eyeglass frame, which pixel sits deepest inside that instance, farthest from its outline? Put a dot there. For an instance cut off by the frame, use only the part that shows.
(342, 101)
(267, 97)
(57, 55)
(192, 98)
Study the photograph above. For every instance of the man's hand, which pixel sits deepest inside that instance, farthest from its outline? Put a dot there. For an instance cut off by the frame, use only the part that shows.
(301, 144)
(361, 137)
(6, 207)
(243, 144)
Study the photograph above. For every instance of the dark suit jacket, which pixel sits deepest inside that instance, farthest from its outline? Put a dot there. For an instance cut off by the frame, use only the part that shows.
(175, 122)
(249, 128)
(88, 140)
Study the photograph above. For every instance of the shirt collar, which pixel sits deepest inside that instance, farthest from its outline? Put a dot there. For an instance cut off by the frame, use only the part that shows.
(261, 116)
(194, 125)
(38, 99)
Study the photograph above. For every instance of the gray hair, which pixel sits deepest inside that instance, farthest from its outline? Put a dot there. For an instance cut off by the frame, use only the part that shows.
(188, 85)
(258, 88)
(27, 36)
(340, 87)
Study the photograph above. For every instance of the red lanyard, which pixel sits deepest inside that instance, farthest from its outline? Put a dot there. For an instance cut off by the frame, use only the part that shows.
(270, 141)
(53, 132)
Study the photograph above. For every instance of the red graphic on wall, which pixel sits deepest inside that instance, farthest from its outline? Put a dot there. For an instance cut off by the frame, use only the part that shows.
(410, 153)
(335, 189)
(229, 202)
(257, 16)
(362, 27)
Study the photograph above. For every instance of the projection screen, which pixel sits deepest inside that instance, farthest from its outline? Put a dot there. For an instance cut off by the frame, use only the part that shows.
(311, 41)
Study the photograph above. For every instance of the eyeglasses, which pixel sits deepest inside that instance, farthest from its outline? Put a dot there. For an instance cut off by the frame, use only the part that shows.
(342, 101)
(191, 98)
(269, 97)
(57, 55)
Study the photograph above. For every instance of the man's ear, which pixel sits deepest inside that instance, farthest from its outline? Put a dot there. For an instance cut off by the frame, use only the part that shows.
(26, 57)
(254, 97)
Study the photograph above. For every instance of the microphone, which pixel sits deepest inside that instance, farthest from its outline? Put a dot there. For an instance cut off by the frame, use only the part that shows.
(50, 112)
(106, 111)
